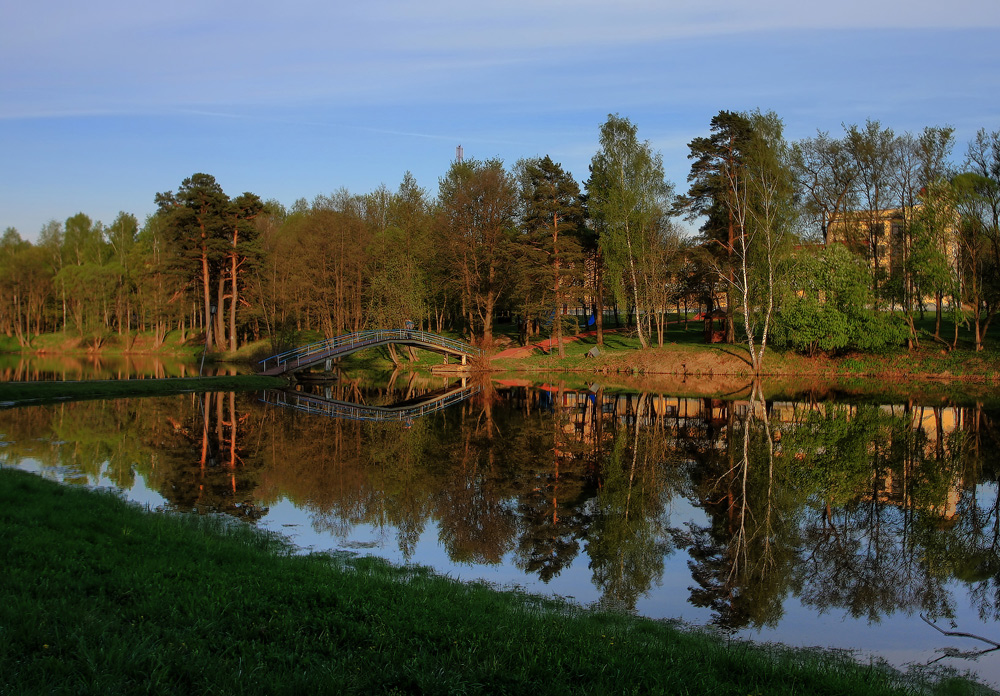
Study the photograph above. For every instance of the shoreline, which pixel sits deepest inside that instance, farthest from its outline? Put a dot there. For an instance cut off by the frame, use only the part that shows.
(695, 369)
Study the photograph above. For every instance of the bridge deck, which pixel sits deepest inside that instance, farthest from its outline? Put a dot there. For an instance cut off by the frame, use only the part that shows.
(306, 356)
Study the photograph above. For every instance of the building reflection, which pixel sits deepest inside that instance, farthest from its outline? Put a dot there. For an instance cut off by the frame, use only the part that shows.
(873, 508)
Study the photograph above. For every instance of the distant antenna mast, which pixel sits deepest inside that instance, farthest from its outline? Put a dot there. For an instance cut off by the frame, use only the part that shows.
(458, 154)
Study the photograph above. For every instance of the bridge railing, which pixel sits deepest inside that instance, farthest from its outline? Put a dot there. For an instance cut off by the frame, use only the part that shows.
(342, 409)
(360, 339)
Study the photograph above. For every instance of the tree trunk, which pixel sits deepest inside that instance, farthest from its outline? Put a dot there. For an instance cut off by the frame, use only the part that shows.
(938, 301)
(635, 290)
(557, 319)
(220, 313)
(207, 292)
(599, 309)
(233, 299)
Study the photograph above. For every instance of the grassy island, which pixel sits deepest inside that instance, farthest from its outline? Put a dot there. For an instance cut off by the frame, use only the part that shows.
(43, 392)
(102, 597)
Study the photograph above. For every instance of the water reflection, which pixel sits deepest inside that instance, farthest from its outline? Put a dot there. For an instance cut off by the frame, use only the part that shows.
(19, 367)
(403, 411)
(861, 510)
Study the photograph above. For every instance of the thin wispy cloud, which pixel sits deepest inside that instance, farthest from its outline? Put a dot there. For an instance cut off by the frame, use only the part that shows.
(61, 52)
(307, 96)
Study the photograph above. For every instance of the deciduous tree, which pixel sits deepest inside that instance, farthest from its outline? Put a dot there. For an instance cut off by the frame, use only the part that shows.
(477, 207)
(627, 197)
(873, 150)
(978, 202)
(826, 176)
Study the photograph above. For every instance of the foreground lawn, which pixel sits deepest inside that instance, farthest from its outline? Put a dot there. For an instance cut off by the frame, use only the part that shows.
(100, 597)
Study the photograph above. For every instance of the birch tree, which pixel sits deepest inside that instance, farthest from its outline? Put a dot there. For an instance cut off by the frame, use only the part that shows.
(627, 196)
(762, 207)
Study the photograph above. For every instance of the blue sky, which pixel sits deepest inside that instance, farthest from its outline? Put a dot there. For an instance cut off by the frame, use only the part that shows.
(104, 104)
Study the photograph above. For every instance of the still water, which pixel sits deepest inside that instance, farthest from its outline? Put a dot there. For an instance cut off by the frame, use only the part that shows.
(15, 367)
(836, 524)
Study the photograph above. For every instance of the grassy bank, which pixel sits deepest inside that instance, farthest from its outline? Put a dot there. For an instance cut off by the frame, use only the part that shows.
(108, 344)
(101, 597)
(684, 353)
(42, 392)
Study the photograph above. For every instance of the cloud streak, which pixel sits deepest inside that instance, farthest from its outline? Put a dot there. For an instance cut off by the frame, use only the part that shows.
(116, 55)
(308, 95)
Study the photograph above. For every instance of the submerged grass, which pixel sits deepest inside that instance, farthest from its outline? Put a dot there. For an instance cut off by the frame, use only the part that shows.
(99, 596)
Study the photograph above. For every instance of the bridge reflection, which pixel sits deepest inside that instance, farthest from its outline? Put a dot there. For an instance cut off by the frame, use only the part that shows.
(402, 412)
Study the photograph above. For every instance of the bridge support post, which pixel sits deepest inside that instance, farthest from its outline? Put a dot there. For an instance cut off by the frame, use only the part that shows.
(329, 364)
(463, 358)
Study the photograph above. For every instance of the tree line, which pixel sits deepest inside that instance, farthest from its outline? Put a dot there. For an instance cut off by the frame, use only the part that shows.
(823, 244)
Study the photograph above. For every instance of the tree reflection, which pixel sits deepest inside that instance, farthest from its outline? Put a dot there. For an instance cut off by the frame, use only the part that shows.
(742, 562)
(629, 537)
(861, 508)
(553, 515)
(882, 538)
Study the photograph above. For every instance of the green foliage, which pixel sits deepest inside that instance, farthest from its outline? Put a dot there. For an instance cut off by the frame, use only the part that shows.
(551, 246)
(478, 251)
(395, 292)
(478, 205)
(398, 252)
(829, 306)
(628, 198)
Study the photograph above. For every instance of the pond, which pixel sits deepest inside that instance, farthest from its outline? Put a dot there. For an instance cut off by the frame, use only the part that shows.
(822, 523)
(18, 367)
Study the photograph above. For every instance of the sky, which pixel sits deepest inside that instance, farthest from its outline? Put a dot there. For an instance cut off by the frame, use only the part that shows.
(104, 104)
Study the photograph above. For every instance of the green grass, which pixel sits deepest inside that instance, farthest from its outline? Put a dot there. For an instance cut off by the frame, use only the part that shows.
(621, 344)
(100, 597)
(40, 392)
(111, 342)
(378, 360)
(966, 333)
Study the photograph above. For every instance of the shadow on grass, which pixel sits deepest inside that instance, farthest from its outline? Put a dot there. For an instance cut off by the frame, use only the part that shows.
(733, 352)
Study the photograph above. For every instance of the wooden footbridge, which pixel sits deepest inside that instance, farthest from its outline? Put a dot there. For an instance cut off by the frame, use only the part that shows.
(403, 412)
(332, 348)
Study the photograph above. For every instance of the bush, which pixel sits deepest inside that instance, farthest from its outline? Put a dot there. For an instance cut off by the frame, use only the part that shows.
(830, 308)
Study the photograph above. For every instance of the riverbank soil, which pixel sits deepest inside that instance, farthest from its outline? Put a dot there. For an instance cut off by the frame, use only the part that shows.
(702, 360)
